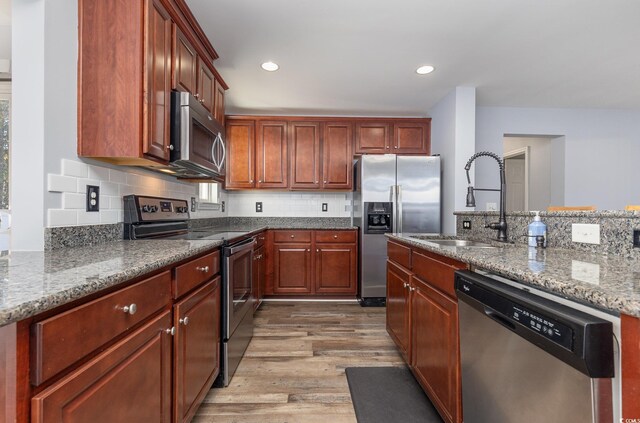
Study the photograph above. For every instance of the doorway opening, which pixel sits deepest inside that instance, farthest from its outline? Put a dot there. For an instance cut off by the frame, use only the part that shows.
(534, 168)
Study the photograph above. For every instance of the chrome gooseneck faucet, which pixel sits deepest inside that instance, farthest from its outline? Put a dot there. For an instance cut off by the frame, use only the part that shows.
(501, 225)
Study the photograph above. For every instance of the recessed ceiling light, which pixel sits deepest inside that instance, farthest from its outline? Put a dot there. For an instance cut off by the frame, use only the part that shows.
(423, 70)
(270, 66)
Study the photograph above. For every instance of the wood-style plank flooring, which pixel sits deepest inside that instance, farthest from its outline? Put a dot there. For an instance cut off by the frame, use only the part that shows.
(293, 370)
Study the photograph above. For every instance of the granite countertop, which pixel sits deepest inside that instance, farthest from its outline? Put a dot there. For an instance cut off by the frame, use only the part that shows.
(606, 282)
(33, 282)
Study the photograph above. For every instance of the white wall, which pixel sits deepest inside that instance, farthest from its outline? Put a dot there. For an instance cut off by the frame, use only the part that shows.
(601, 150)
(453, 137)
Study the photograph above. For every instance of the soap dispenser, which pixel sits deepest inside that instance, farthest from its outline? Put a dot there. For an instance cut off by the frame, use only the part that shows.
(537, 228)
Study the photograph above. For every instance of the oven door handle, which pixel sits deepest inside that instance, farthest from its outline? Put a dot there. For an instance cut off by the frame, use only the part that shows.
(247, 244)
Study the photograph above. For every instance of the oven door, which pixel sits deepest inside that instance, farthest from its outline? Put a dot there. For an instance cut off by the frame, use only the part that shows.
(237, 284)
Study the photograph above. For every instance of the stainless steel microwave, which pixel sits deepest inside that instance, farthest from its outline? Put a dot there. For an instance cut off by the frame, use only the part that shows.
(197, 139)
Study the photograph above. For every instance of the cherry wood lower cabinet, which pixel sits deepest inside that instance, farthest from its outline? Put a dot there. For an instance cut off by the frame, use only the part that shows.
(435, 348)
(398, 284)
(422, 319)
(320, 262)
(196, 348)
(129, 382)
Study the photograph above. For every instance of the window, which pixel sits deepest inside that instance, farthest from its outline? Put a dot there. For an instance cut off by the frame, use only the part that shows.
(209, 196)
(5, 142)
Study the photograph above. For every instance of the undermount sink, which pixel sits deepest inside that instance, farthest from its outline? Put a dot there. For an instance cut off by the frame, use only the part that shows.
(458, 243)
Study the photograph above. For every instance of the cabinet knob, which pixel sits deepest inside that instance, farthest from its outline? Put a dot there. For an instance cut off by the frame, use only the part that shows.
(317, 250)
(251, 181)
(412, 288)
(395, 146)
(406, 285)
(316, 182)
(325, 182)
(308, 250)
(130, 309)
(184, 321)
(387, 146)
(335, 237)
(260, 181)
(292, 236)
(170, 147)
(204, 269)
(171, 331)
(197, 95)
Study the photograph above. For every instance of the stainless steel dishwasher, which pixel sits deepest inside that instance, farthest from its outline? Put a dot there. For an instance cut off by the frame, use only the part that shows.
(526, 358)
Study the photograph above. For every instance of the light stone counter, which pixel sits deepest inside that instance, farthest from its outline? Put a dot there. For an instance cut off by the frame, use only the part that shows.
(608, 282)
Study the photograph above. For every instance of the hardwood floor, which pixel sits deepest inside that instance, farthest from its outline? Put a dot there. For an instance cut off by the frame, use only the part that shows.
(293, 370)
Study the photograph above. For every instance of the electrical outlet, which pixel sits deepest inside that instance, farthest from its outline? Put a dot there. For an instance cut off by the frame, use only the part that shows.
(636, 238)
(325, 207)
(258, 206)
(585, 233)
(193, 204)
(466, 224)
(492, 206)
(222, 206)
(93, 198)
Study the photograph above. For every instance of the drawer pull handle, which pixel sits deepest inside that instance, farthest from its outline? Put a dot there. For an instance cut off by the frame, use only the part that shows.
(184, 321)
(171, 331)
(130, 309)
(204, 269)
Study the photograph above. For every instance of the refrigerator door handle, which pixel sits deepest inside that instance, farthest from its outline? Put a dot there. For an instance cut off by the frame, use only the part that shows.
(392, 199)
(399, 207)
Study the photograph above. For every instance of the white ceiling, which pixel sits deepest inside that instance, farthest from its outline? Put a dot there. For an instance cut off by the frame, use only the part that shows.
(358, 57)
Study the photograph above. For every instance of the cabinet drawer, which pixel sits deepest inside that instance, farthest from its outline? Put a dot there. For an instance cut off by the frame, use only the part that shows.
(260, 238)
(292, 236)
(399, 253)
(336, 236)
(61, 340)
(437, 273)
(192, 274)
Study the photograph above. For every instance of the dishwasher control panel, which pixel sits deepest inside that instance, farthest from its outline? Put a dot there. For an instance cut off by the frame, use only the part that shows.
(549, 328)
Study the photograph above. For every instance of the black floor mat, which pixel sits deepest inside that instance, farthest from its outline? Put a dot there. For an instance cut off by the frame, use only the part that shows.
(389, 394)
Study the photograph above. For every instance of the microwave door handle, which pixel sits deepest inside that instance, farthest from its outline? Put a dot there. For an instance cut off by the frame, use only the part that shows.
(213, 152)
(224, 151)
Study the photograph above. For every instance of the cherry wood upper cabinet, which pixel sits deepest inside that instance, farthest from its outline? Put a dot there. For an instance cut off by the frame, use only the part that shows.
(304, 147)
(337, 155)
(372, 137)
(123, 106)
(158, 42)
(218, 102)
(206, 86)
(271, 154)
(185, 63)
(412, 138)
(240, 154)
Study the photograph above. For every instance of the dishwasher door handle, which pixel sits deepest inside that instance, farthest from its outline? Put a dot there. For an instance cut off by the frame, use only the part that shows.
(500, 319)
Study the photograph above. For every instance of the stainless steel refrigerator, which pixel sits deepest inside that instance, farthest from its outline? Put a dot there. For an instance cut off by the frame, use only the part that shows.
(392, 194)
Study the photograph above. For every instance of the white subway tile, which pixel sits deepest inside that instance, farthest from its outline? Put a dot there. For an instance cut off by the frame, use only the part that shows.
(117, 176)
(82, 184)
(58, 183)
(109, 188)
(116, 203)
(73, 201)
(59, 217)
(88, 218)
(99, 173)
(109, 216)
(74, 168)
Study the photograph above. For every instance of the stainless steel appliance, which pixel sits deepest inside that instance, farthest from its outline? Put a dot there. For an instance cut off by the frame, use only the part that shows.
(197, 144)
(164, 218)
(392, 194)
(528, 358)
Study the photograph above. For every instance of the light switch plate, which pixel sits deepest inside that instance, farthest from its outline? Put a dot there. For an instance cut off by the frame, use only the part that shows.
(325, 207)
(585, 233)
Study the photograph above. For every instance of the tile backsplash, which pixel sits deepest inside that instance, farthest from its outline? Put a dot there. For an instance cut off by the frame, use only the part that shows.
(70, 185)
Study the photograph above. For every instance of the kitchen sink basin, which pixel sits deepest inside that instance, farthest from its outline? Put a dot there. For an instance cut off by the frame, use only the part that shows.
(458, 243)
